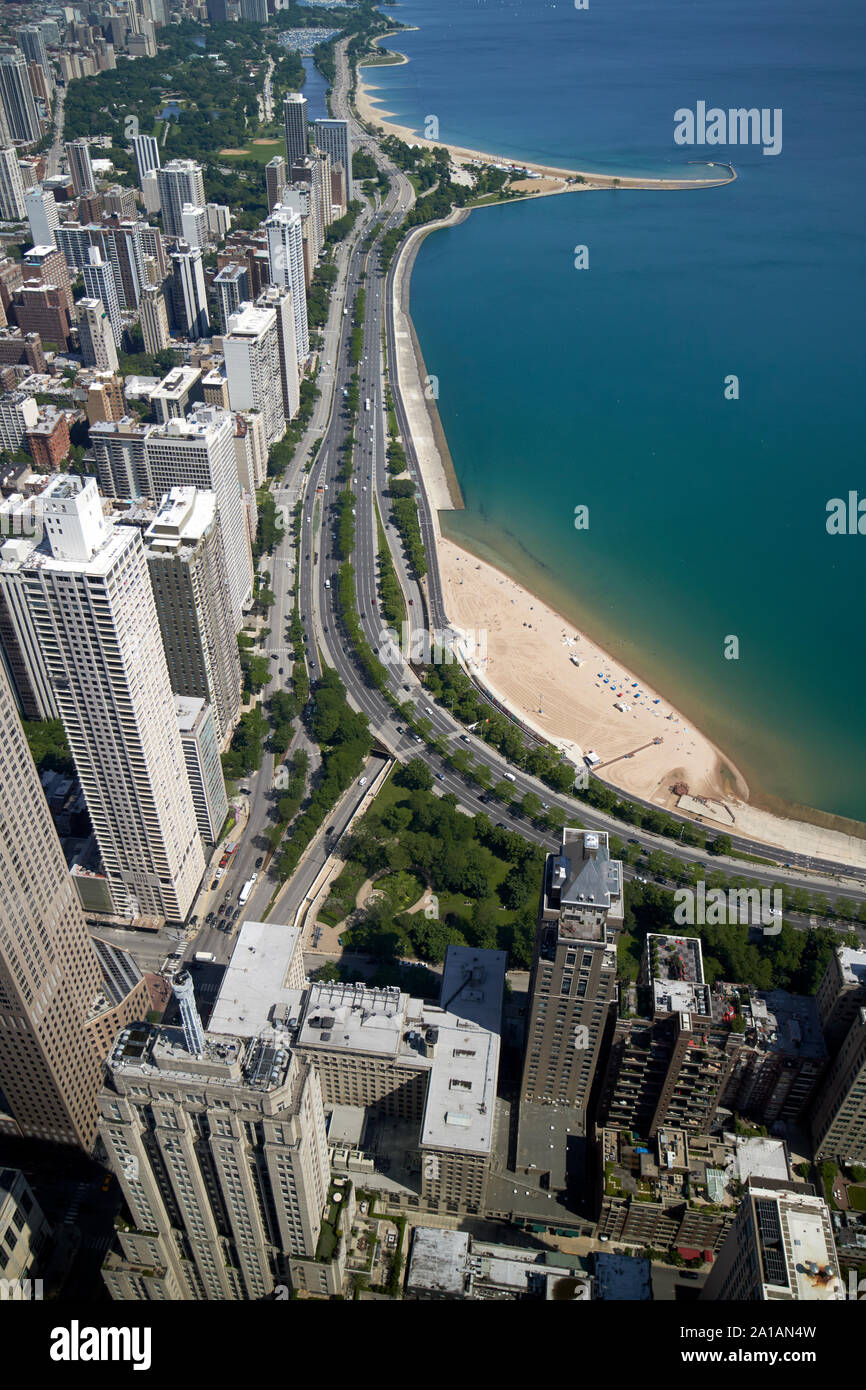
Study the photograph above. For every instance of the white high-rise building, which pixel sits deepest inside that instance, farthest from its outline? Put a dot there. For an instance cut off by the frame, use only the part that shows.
(100, 284)
(146, 149)
(92, 607)
(41, 210)
(180, 181)
(282, 301)
(193, 222)
(195, 720)
(12, 206)
(251, 351)
(150, 191)
(186, 558)
(295, 120)
(189, 292)
(199, 452)
(97, 339)
(286, 258)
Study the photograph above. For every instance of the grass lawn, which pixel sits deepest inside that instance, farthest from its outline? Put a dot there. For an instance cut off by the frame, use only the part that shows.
(857, 1198)
(262, 154)
(402, 889)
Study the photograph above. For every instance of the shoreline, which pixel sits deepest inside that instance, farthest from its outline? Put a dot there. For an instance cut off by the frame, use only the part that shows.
(567, 180)
(632, 767)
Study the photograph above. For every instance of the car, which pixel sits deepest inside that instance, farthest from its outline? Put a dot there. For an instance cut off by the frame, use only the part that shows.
(106, 1185)
(406, 687)
(417, 738)
(229, 896)
(280, 672)
(464, 738)
(193, 921)
(635, 842)
(545, 805)
(236, 914)
(428, 710)
(260, 862)
(411, 603)
(362, 782)
(500, 825)
(210, 917)
(331, 830)
(399, 728)
(214, 885)
(689, 1274)
(440, 776)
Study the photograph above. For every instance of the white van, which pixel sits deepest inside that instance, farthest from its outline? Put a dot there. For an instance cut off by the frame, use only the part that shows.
(509, 777)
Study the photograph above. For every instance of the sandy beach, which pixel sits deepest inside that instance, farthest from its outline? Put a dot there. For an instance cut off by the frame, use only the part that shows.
(645, 747)
(558, 179)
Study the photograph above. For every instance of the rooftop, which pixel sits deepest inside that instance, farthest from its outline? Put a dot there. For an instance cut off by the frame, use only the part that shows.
(438, 1261)
(785, 1023)
(254, 992)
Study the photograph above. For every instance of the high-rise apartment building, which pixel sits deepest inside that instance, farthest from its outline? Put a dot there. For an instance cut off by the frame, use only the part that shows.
(12, 206)
(254, 11)
(194, 230)
(121, 463)
(286, 259)
(839, 1114)
(232, 285)
(95, 334)
(100, 284)
(16, 97)
(195, 720)
(180, 181)
(189, 293)
(80, 167)
(841, 994)
(333, 137)
(251, 350)
(49, 977)
(295, 122)
(154, 319)
(92, 608)
(573, 970)
(275, 180)
(41, 211)
(199, 452)
(187, 564)
(44, 265)
(780, 1248)
(146, 149)
(281, 300)
(31, 41)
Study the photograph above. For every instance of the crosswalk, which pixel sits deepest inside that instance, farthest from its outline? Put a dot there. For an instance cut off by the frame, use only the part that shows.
(75, 1205)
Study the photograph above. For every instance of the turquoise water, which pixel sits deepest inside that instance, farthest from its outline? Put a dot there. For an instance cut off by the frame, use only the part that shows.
(605, 387)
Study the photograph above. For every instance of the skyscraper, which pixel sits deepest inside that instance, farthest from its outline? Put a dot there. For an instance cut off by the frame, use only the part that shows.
(295, 120)
(92, 607)
(121, 464)
(100, 284)
(252, 361)
(194, 225)
(275, 180)
(286, 258)
(195, 719)
(255, 11)
(154, 319)
(333, 138)
(188, 572)
(199, 452)
(49, 977)
(146, 149)
(80, 167)
(16, 97)
(12, 206)
(97, 339)
(189, 294)
(839, 1114)
(32, 44)
(180, 181)
(41, 210)
(218, 1142)
(232, 285)
(282, 301)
